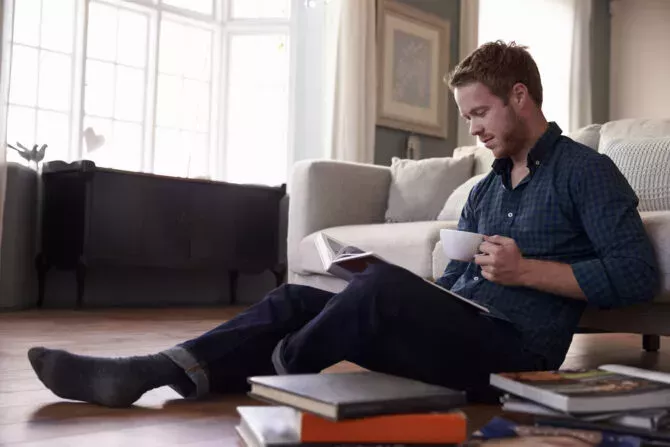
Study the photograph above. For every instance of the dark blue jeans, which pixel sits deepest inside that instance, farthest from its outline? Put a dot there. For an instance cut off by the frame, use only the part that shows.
(385, 320)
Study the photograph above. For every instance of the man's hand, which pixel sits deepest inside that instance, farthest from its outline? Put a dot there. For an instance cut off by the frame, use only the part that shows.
(501, 260)
(502, 263)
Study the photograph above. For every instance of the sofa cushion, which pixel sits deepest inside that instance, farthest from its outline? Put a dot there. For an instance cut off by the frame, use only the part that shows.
(645, 164)
(407, 244)
(587, 135)
(483, 158)
(657, 225)
(633, 128)
(419, 188)
(456, 201)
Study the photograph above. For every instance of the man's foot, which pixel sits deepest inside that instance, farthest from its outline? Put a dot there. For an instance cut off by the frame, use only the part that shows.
(109, 382)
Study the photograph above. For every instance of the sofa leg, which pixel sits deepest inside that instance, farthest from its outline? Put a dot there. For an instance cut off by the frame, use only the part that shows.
(651, 343)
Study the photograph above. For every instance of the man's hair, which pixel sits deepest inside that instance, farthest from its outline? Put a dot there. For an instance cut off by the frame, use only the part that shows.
(499, 66)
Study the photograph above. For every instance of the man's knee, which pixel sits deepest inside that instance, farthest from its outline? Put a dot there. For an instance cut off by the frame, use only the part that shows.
(288, 291)
(299, 296)
(385, 274)
(382, 281)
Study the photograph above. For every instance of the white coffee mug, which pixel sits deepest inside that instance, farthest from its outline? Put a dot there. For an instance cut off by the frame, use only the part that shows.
(460, 245)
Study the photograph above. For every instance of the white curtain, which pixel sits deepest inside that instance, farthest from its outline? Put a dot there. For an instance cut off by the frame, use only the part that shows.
(6, 9)
(558, 37)
(354, 100)
(581, 113)
(335, 80)
(469, 31)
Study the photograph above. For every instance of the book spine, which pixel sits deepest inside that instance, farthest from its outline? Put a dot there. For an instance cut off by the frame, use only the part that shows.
(421, 405)
(398, 428)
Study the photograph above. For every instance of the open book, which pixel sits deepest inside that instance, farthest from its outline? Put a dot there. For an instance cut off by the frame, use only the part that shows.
(344, 261)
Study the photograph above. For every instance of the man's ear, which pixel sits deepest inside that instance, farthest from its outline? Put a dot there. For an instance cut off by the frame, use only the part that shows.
(519, 94)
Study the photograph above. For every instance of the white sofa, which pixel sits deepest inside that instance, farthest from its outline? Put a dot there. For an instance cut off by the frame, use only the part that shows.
(349, 201)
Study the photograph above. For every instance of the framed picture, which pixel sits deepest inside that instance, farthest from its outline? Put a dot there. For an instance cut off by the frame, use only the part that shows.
(412, 59)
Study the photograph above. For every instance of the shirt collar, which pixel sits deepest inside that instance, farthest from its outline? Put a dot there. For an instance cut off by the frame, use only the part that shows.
(538, 152)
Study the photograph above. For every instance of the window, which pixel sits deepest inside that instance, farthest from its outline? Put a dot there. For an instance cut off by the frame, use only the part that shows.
(40, 85)
(192, 88)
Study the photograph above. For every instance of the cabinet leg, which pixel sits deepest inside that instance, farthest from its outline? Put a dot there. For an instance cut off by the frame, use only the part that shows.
(651, 343)
(233, 276)
(81, 280)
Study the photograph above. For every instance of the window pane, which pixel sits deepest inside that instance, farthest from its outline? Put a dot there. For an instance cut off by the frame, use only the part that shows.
(129, 94)
(201, 6)
(23, 80)
(185, 50)
(54, 129)
(54, 90)
(101, 42)
(27, 22)
(259, 9)
(169, 158)
(181, 153)
(100, 137)
(21, 126)
(197, 60)
(195, 144)
(57, 25)
(122, 148)
(169, 95)
(172, 49)
(195, 106)
(132, 44)
(127, 143)
(99, 91)
(256, 99)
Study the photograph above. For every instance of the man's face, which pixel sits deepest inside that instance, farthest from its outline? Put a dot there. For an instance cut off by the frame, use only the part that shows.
(496, 125)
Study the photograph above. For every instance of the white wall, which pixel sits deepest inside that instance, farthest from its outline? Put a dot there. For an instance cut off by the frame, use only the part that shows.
(640, 59)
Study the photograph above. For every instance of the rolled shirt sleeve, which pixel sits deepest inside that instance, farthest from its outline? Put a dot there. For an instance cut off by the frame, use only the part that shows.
(625, 270)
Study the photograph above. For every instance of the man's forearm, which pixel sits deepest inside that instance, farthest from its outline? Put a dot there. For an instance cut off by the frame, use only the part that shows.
(552, 277)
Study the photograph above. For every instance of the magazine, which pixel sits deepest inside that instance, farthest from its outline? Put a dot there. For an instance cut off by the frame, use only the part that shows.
(610, 388)
(344, 261)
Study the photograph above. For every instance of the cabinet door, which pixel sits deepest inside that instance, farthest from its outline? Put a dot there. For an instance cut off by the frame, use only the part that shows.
(213, 226)
(138, 219)
(115, 206)
(234, 226)
(165, 229)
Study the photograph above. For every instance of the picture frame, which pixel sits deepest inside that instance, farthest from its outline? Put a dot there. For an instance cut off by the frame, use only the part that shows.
(412, 59)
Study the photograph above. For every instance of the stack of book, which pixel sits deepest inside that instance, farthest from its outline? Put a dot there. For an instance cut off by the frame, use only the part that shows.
(616, 400)
(354, 408)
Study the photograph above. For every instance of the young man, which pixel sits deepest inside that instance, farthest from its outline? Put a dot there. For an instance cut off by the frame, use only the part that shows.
(562, 230)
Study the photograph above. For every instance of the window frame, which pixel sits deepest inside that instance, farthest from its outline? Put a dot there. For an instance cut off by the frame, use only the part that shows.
(223, 27)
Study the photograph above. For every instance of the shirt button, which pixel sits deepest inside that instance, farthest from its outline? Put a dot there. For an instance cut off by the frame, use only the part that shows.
(510, 214)
(537, 163)
(476, 278)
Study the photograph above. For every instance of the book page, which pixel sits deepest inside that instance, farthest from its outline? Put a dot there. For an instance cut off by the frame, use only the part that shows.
(348, 250)
(655, 376)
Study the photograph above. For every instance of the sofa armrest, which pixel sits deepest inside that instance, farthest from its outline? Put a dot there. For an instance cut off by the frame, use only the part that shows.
(327, 193)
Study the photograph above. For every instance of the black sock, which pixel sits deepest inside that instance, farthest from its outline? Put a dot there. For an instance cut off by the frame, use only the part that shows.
(112, 382)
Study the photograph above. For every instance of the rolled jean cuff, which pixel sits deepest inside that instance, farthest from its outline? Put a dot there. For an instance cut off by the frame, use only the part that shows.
(193, 369)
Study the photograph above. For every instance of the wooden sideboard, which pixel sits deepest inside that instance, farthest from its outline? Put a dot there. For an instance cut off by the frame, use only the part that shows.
(100, 216)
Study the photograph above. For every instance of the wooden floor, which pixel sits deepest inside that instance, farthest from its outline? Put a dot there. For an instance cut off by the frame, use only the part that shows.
(31, 416)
